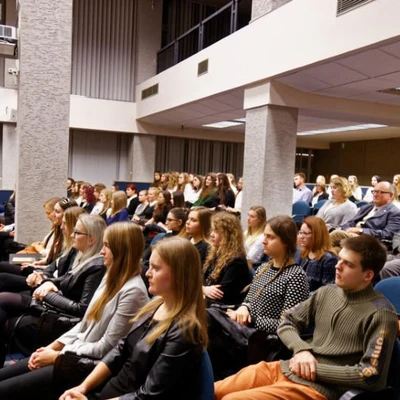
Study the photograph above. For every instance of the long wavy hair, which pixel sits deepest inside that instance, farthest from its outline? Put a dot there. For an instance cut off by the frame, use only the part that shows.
(321, 241)
(231, 245)
(181, 186)
(126, 244)
(189, 307)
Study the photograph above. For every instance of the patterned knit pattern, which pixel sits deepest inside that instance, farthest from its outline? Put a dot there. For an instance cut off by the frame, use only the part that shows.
(267, 300)
(352, 342)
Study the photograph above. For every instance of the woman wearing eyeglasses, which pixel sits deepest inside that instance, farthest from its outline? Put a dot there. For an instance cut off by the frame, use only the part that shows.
(69, 294)
(119, 297)
(318, 257)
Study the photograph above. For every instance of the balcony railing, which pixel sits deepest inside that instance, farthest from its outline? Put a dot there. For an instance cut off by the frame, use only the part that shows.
(222, 23)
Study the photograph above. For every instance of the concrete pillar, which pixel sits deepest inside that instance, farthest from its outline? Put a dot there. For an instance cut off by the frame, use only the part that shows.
(262, 7)
(148, 38)
(43, 110)
(143, 158)
(9, 156)
(269, 159)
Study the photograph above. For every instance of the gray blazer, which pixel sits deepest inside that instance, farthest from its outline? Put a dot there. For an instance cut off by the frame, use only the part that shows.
(382, 225)
(96, 339)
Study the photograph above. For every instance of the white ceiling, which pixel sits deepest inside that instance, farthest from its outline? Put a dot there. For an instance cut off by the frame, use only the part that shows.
(358, 76)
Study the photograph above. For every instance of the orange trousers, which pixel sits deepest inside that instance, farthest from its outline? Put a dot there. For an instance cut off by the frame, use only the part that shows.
(263, 381)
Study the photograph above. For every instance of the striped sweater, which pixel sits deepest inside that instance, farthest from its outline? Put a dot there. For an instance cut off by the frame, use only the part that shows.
(353, 339)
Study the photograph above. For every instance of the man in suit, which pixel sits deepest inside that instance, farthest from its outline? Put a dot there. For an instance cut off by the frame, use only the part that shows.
(380, 219)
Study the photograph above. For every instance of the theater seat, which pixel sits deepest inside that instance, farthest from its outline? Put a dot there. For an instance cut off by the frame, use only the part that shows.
(206, 378)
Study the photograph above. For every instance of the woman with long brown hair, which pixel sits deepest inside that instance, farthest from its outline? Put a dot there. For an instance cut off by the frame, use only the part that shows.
(120, 295)
(226, 272)
(208, 195)
(119, 213)
(162, 352)
(278, 284)
(318, 257)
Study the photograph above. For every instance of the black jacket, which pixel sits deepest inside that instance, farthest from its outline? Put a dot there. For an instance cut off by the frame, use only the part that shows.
(76, 290)
(61, 264)
(169, 368)
(132, 206)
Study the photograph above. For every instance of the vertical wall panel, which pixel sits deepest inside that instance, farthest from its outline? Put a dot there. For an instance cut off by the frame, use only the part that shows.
(98, 156)
(103, 49)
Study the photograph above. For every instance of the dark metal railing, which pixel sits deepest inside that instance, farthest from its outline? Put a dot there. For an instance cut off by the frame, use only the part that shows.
(210, 30)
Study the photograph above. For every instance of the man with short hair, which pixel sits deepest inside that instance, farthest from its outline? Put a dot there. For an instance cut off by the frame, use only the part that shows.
(380, 219)
(301, 191)
(355, 328)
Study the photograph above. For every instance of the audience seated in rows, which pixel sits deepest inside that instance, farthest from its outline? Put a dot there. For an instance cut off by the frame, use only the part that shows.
(69, 294)
(354, 331)
(380, 219)
(15, 282)
(161, 354)
(120, 295)
(278, 285)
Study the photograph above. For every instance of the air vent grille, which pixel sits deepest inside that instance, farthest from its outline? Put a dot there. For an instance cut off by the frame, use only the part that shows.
(347, 5)
(151, 91)
(202, 68)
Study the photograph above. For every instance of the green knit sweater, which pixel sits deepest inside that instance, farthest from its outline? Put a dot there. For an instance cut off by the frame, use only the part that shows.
(353, 339)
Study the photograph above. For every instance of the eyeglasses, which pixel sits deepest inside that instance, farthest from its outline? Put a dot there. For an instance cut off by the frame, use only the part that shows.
(302, 233)
(75, 232)
(378, 192)
(172, 219)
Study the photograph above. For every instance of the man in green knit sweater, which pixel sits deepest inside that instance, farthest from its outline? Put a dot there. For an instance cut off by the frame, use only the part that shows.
(355, 328)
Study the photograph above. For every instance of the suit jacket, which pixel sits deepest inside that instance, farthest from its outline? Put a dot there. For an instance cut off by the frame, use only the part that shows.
(382, 225)
(168, 368)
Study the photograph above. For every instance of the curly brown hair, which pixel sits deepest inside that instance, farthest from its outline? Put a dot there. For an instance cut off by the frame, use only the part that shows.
(231, 246)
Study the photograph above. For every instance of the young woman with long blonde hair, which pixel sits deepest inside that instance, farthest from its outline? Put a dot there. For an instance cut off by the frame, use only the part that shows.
(119, 297)
(254, 235)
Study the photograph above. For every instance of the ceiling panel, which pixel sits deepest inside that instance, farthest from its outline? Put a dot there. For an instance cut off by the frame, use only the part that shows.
(372, 63)
(334, 74)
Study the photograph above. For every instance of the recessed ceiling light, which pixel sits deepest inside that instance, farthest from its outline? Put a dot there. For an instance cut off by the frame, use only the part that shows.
(342, 129)
(223, 124)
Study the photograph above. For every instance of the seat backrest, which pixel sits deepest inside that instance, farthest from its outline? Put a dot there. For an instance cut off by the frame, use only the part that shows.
(318, 205)
(390, 288)
(300, 210)
(206, 378)
(361, 203)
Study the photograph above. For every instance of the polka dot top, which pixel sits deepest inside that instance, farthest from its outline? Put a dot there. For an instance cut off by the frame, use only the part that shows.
(267, 300)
